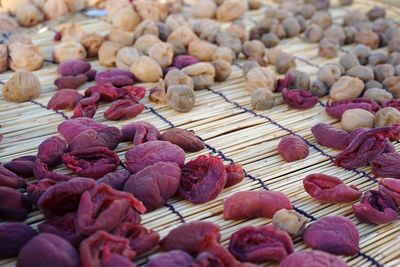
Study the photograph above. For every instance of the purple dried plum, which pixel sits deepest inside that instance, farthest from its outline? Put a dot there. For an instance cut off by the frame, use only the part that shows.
(292, 148)
(73, 67)
(147, 154)
(313, 258)
(235, 174)
(107, 92)
(108, 137)
(140, 132)
(298, 98)
(116, 77)
(92, 162)
(386, 165)
(330, 189)
(35, 191)
(73, 127)
(329, 136)
(155, 184)
(375, 207)
(123, 110)
(206, 259)
(182, 61)
(171, 259)
(260, 244)
(91, 75)
(64, 197)
(253, 204)
(202, 179)
(115, 179)
(10, 179)
(51, 150)
(184, 139)
(22, 166)
(64, 99)
(133, 92)
(103, 208)
(284, 83)
(391, 187)
(333, 234)
(92, 248)
(86, 107)
(41, 172)
(337, 108)
(112, 259)
(13, 236)
(394, 103)
(70, 82)
(14, 206)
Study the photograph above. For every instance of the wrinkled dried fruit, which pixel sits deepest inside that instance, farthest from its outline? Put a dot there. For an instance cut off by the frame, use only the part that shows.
(329, 136)
(73, 67)
(115, 180)
(170, 259)
(222, 70)
(86, 107)
(140, 132)
(41, 171)
(378, 94)
(386, 165)
(376, 207)
(202, 73)
(186, 140)
(387, 117)
(391, 187)
(292, 148)
(260, 244)
(146, 69)
(51, 150)
(235, 174)
(108, 137)
(9, 178)
(337, 108)
(123, 110)
(183, 61)
(230, 10)
(262, 99)
(70, 82)
(115, 77)
(298, 98)
(202, 179)
(260, 77)
(181, 98)
(22, 86)
(253, 204)
(92, 43)
(333, 234)
(313, 258)
(64, 99)
(289, 221)
(107, 92)
(69, 50)
(14, 206)
(356, 118)
(13, 237)
(346, 88)
(35, 191)
(108, 53)
(24, 56)
(73, 127)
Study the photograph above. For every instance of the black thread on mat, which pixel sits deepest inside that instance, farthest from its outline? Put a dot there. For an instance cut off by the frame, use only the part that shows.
(367, 257)
(55, 111)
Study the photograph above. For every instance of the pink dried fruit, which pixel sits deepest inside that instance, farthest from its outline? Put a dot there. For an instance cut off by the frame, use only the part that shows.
(73, 67)
(70, 82)
(73, 127)
(107, 92)
(329, 136)
(155, 185)
(253, 204)
(35, 191)
(337, 108)
(86, 107)
(115, 179)
(115, 77)
(386, 165)
(313, 258)
(41, 171)
(134, 92)
(260, 244)
(235, 174)
(123, 110)
(22, 166)
(108, 137)
(14, 206)
(64, 99)
(147, 154)
(51, 150)
(329, 189)
(186, 140)
(13, 237)
(284, 82)
(292, 148)
(298, 98)
(140, 132)
(10, 179)
(394, 103)
(333, 234)
(91, 162)
(182, 61)
(170, 259)
(391, 187)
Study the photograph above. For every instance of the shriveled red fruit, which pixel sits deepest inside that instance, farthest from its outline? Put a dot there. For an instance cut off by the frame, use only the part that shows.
(48, 250)
(86, 107)
(133, 92)
(207, 259)
(70, 82)
(115, 179)
(73, 127)
(123, 110)
(140, 132)
(329, 136)
(115, 77)
(107, 92)
(13, 237)
(73, 67)
(202, 179)
(10, 179)
(64, 197)
(292, 148)
(51, 150)
(386, 165)
(35, 191)
(91, 75)
(141, 240)
(171, 259)
(41, 171)
(284, 82)
(155, 184)
(182, 61)
(391, 187)
(235, 174)
(337, 108)
(260, 244)
(92, 248)
(64, 99)
(147, 154)
(22, 166)
(103, 208)
(184, 139)
(92, 162)
(253, 204)
(330, 189)
(376, 207)
(112, 259)
(14, 206)
(394, 103)
(108, 137)
(298, 98)
(333, 234)
(313, 258)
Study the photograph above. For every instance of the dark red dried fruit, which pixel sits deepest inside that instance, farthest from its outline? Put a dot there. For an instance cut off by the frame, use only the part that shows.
(123, 110)
(10, 179)
(147, 154)
(14, 206)
(73, 127)
(22, 166)
(253, 204)
(134, 92)
(284, 83)
(41, 172)
(35, 191)
(337, 108)
(92, 248)
(140, 132)
(171, 259)
(64, 197)
(298, 98)
(375, 207)
(51, 150)
(313, 258)
(186, 140)
(329, 136)
(92, 162)
(333, 234)
(86, 107)
(235, 174)
(112, 259)
(108, 137)
(182, 61)
(329, 189)
(260, 244)
(48, 250)
(222, 253)
(116, 77)
(206, 259)
(202, 179)
(141, 240)
(13, 236)
(386, 165)
(57, 37)
(70, 82)
(391, 187)
(115, 179)
(155, 184)
(394, 103)
(91, 75)
(73, 67)
(64, 99)
(292, 148)
(107, 92)
(366, 146)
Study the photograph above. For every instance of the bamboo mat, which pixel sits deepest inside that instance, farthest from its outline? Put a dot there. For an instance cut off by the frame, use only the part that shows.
(224, 119)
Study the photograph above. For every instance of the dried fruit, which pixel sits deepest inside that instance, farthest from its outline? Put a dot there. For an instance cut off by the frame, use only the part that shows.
(298, 98)
(9, 178)
(392, 85)
(349, 61)
(225, 54)
(71, 31)
(222, 70)
(3, 58)
(24, 56)
(368, 38)
(314, 33)
(391, 187)
(184, 139)
(70, 82)
(289, 221)
(87, 106)
(35, 191)
(115, 180)
(182, 61)
(202, 74)
(92, 43)
(177, 77)
(329, 136)
(262, 99)
(337, 108)
(146, 69)
(379, 95)
(202, 50)
(73, 67)
(292, 148)
(170, 259)
(51, 150)
(108, 53)
(235, 174)
(126, 19)
(329, 74)
(308, 258)
(387, 117)
(29, 15)
(386, 165)
(364, 73)
(22, 86)
(115, 77)
(162, 53)
(89, 138)
(69, 50)
(204, 9)
(383, 71)
(253, 204)
(181, 98)
(53, 9)
(123, 110)
(41, 171)
(346, 88)
(14, 206)
(328, 48)
(13, 237)
(319, 88)
(357, 118)
(230, 10)
(260, 77)
(284, 63)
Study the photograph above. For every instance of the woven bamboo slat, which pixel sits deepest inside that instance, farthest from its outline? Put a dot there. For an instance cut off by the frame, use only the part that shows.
(223, 118)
